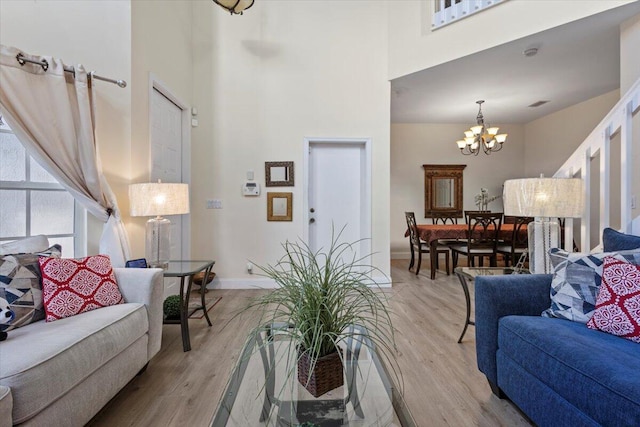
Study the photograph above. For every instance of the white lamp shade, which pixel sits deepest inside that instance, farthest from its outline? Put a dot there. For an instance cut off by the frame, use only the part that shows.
(468, 134)
(501, 138)
(461, 143)
(493, 131)
(544, 197)
(476, 130)
(158, 198)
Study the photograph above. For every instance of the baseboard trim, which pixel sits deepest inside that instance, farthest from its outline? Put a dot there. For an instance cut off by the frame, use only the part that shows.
(264, 283)
(400, 255)
(257, 283)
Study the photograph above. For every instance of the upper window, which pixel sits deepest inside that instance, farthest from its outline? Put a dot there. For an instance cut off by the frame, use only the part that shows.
(448, 11)
(32, 201)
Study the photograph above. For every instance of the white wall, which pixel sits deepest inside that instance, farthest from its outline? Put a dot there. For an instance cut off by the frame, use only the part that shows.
(413, 46)
(413, 145)
(551, 139)
(629, 57)
(161, 46)
(264, 81)
(96, 34)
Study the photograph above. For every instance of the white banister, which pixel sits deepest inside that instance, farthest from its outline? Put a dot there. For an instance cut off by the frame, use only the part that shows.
(626, 167)
(619, 121)
(448, 11)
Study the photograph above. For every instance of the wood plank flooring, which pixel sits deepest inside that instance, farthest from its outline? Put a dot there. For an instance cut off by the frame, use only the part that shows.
(442, 385)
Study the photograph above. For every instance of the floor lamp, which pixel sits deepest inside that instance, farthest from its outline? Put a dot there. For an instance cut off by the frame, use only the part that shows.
(157, 199)
(546, 199)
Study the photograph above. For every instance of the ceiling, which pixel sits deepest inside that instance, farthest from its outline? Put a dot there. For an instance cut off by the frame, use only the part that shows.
(575, 62)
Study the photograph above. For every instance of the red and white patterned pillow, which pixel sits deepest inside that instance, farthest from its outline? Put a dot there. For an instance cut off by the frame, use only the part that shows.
(618, 304)
(73, 286)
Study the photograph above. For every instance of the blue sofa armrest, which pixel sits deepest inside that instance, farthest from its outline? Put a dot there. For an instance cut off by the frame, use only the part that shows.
(499, 296)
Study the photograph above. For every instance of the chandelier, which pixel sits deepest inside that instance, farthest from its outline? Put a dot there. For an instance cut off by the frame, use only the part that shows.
(235, 6)
(481, 137)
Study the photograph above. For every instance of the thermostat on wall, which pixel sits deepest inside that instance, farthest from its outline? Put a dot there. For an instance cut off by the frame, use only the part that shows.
(251, 189)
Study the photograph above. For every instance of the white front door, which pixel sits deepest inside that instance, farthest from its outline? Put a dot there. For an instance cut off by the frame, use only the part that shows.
(338, 192)
(166, 154)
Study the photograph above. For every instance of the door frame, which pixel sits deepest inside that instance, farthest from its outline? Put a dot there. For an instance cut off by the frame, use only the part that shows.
(366, 224)
(160, 86)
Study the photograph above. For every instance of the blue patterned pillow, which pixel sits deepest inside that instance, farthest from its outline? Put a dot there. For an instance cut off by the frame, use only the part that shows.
(21, 286)
(575, 282)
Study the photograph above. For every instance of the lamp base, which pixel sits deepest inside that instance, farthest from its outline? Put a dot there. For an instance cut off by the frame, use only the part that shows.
(158, 242)
(543, 235)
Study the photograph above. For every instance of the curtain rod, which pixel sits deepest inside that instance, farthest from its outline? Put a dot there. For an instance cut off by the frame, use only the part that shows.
(45, 66)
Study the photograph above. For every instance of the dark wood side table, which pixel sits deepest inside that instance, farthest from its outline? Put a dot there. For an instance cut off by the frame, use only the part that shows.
(187, 269)
(468, 275)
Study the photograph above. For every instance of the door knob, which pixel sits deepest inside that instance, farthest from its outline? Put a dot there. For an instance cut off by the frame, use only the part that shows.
(312, 220)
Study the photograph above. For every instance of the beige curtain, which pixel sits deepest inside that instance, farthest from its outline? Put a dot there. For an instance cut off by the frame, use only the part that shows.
(52, 114)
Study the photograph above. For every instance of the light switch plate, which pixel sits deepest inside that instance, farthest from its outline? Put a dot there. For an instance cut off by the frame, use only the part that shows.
(214, 204)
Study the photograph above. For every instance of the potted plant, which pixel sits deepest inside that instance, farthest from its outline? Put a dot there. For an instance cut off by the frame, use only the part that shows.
(321, 295)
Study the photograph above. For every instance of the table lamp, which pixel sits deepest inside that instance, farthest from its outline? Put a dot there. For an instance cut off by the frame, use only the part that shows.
(157, 199)
(546, 199)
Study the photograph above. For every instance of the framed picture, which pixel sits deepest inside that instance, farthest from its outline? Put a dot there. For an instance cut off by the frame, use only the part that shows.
(279, 206)
(278, 174)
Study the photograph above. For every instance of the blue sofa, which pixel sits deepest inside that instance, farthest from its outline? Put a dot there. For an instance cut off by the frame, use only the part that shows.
(558, 372)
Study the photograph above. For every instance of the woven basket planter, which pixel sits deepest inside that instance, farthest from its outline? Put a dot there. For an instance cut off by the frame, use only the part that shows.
(326, 375)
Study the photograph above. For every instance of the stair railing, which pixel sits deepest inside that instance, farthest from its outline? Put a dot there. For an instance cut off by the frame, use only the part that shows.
(618, 122)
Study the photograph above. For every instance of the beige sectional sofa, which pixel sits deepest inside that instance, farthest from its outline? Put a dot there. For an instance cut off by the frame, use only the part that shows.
(63, 372)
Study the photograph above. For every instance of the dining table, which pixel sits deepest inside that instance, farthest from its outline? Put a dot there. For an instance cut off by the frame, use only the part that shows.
(431, 233)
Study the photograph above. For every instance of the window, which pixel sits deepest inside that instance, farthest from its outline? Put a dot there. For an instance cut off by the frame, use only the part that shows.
(32, 201)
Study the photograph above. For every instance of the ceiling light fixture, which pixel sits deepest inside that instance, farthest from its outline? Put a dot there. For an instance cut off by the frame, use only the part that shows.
(235, 6)
(481, 136)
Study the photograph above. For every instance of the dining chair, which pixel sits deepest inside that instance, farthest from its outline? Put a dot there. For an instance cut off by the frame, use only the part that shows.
(513, 248)
(482, 238)
(443, 218)
(471, 213)
(422, 247)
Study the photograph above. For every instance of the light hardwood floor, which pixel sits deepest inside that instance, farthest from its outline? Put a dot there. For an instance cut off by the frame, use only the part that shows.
(442, 385)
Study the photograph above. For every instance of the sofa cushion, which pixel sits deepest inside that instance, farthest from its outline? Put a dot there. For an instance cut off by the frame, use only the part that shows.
(44, 360)
(21, 285)
(613, 240)
(73, 286)
(575, 283)
(27, 245)
(595, 372)
(618, 305)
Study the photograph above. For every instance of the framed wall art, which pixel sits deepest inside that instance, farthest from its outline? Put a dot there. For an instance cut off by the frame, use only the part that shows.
(279, 174)
(279, 206)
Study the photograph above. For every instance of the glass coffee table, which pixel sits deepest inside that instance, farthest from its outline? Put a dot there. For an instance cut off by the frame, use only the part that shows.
(264, 391)
(468, 275)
